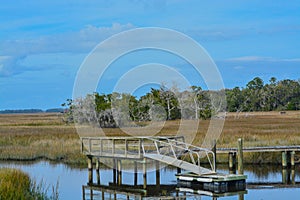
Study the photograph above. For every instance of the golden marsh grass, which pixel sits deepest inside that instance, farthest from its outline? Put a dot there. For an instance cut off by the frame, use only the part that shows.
(33, 136)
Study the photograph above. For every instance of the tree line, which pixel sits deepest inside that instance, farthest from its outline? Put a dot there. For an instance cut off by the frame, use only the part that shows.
(121, 109)
(32, 110)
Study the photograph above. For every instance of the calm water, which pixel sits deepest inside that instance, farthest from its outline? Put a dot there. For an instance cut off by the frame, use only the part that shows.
(72, 179)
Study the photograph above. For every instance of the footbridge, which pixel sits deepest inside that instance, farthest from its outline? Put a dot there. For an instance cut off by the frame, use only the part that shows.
(168, 150)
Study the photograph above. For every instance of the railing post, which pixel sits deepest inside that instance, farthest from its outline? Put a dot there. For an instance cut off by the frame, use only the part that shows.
(126, 147)
(140, 147)
(101, 146)
(90, 145)
(113, 147)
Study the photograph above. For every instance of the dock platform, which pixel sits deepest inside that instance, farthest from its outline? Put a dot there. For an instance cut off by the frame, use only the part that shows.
(217, 183)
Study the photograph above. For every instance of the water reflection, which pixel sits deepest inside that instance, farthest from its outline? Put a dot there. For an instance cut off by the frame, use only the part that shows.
(116, 192)
(264, 182)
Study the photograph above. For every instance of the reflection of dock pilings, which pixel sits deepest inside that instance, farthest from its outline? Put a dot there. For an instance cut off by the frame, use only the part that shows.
(117, 171)
(288, 176)
(172, 191)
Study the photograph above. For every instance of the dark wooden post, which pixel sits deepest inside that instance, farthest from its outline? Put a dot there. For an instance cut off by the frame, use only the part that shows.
(157, 173)
(240, 156)
(214, 149)
(83, 193)
(114, 171)
(135, 173)
(178, 170)
(232, 162)
(98, 171)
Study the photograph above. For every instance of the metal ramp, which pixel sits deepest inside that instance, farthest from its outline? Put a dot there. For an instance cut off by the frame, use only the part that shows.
(179, 154)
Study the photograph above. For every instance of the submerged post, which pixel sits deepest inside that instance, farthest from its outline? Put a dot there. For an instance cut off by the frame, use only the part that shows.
(240, 156)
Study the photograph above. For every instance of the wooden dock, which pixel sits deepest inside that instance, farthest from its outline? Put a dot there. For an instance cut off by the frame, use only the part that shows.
(261, 149)
(166, 150)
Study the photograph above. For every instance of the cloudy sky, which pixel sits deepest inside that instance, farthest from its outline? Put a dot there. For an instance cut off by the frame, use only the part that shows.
(44, 43)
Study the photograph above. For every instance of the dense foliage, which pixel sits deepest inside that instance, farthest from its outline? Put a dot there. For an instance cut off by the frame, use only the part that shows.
(115, 110)
(257, 96)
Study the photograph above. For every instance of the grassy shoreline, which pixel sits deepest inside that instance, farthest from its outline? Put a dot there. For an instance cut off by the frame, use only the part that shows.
(23, 188)
(30, 137)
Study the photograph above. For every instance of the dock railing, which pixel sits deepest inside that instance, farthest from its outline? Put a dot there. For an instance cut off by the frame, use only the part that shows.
(169, 149)
(179, 150)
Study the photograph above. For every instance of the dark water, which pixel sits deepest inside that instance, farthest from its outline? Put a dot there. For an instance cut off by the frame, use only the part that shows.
(263, 181)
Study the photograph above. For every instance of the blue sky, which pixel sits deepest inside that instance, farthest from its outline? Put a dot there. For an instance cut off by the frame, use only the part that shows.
(43, 43)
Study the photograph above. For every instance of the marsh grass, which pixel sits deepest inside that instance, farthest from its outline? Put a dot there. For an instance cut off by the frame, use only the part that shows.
(15, 184)
(46, 136)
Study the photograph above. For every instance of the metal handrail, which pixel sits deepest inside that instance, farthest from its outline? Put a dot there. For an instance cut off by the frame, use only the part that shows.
(191, 152)
(207, 151)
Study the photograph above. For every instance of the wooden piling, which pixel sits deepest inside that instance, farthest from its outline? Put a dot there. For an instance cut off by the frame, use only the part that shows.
(103, 195)
(119, 169)
(178, 170)
(145, 173)
(90, 168)
(214, 149)
(135, 173)
(98, 171)
(114, 171)
(284, 159)
(240, 156)
(292, 159)
(157, 173)
(232, 162)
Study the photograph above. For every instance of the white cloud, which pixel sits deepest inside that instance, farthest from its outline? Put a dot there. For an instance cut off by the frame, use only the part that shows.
(250, 58)
(82, 41)
(259, 58)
